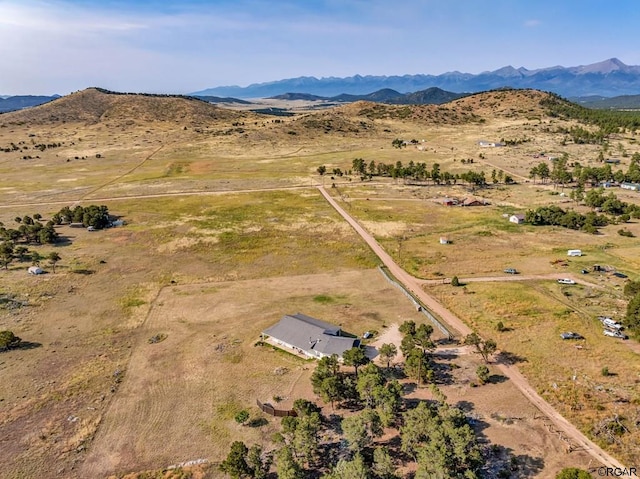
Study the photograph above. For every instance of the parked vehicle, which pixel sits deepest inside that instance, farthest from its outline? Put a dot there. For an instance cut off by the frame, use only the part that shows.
(611, 324)
(566, 281)
(571, 335)
(620, 275)
(584, 271)
(615, 334)
(511, 271)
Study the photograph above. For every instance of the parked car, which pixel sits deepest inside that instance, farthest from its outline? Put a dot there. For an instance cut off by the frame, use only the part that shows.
(615, 334)
(566, 281)
(584, 271)
(611, 324)
(511, 271)
(618, 274)
(571, 335)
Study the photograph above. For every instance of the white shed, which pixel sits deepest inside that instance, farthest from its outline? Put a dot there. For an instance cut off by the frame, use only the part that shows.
(574, 252)
(35, 270)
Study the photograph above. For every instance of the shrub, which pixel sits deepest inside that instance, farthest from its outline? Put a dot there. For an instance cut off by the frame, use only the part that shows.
(455, 281)
(242, 417)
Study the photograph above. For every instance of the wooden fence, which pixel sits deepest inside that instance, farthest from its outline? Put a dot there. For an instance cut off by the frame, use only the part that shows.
(269, 409)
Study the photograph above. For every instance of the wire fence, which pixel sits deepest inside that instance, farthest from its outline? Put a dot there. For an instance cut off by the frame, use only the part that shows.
(419, 306)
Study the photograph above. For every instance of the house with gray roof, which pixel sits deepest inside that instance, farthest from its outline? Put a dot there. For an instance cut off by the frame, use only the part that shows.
(309, 336)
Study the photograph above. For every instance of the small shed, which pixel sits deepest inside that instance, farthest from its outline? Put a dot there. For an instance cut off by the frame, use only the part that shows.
(35, 270)
(517, 219)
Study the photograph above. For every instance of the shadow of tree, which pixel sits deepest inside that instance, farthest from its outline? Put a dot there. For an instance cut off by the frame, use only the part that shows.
(258, 422)
(505, 357)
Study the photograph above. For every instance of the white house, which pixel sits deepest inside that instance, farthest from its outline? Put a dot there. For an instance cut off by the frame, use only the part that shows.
(517, 219)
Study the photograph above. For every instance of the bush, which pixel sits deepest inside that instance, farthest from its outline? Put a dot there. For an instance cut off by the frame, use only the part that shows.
(242, 417)
(483, 373)
(573, 473)
(8, 340)
(605, 371)
(455, 281)
(500, 326)
(625, 232)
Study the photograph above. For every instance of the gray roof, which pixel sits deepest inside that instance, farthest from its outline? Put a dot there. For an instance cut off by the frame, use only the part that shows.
(311, 335)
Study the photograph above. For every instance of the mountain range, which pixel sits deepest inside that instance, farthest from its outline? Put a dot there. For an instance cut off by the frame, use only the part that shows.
(430, 96)
(607, 78)
(11, 103)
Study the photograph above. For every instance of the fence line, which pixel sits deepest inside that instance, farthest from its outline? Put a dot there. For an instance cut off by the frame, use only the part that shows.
(269, 409)
(419, 306)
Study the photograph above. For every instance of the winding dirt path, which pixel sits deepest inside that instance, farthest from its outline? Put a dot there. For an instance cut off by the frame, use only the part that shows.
(510, 371)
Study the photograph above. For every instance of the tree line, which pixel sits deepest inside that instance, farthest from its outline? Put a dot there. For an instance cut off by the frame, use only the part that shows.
(418, 172)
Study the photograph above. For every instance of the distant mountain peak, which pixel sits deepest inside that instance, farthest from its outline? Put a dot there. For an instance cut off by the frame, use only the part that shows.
(604, 67)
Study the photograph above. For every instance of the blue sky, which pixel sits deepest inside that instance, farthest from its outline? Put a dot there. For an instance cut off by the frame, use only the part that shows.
(59, 46)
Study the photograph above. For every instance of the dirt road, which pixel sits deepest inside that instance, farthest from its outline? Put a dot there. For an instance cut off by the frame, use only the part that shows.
(510, 371)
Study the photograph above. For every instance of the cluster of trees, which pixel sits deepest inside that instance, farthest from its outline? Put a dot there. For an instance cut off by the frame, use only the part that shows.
(367, 387)
(558, 173)
(556, 216)
(609, 204)
(437, 436)
(29, 231)
(594, 175)
(620, 211)
(92, 215)
(434, 434)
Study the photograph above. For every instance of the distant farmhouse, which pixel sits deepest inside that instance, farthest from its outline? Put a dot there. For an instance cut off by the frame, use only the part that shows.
(517, 219)
(309, 336)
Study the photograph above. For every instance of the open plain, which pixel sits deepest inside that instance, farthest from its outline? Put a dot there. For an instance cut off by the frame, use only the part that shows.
(225, 232)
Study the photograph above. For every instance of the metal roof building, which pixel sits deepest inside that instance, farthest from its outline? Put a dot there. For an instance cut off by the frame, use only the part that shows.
(310, 336)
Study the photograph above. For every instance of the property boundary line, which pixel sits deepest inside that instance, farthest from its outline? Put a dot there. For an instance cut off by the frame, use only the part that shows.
(419, 306)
